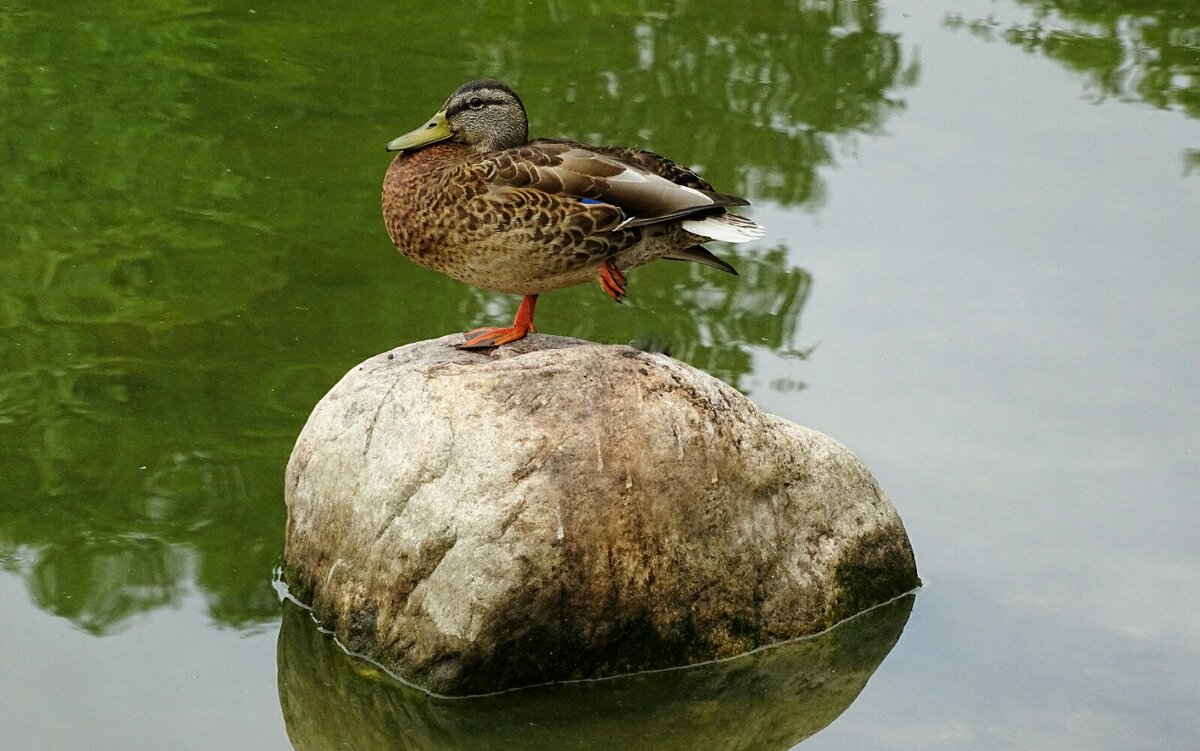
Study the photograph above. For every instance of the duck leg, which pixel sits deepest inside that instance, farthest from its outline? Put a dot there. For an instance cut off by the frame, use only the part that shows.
(612, 281)
(494, 337)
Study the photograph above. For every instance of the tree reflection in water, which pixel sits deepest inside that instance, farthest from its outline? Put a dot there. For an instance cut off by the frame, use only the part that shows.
(191, 251)
(1145, 51)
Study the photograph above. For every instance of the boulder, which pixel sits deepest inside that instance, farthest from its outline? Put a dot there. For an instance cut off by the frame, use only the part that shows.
(557, 510)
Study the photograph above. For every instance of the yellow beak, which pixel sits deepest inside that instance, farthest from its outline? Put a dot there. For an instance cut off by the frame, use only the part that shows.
(431, 132)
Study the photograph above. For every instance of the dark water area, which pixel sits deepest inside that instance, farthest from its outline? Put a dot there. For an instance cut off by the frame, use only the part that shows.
(980, 274)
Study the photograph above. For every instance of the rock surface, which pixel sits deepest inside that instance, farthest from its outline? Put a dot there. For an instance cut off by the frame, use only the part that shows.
(558, 509)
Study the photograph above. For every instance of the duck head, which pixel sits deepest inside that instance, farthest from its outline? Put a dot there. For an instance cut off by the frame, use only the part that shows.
(485, 115)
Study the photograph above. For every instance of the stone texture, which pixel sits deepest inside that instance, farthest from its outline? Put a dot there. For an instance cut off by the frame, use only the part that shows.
(557, 509)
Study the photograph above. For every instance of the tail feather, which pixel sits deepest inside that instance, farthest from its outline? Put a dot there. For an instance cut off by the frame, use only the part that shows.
(726, 227)
(697, 254)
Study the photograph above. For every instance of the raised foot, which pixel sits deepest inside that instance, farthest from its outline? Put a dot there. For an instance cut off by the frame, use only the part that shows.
(612, 281)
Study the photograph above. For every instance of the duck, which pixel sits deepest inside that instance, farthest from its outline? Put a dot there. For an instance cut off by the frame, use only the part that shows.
(469, 195)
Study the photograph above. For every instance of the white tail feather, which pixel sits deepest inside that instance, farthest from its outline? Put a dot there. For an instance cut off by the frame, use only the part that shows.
(729, 228)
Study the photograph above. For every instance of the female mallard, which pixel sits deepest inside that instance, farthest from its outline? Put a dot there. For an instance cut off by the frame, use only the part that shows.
(468, 195)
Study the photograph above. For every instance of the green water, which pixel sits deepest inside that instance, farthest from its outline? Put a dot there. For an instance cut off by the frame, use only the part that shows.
(193, 251)
(980, 274)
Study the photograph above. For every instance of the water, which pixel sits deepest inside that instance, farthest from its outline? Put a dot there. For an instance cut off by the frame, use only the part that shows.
(980, 275)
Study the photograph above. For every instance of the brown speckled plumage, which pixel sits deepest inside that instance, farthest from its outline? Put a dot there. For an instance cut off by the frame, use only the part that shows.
(468, 196)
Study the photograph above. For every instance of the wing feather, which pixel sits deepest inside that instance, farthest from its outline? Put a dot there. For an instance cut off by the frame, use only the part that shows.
(635, 184)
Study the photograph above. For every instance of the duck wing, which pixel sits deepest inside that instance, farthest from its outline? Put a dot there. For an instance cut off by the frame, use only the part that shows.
(650, 162)
(645, 187)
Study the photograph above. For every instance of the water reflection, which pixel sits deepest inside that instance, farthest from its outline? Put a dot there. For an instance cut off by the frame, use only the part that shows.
(191, 251)
(97, 582)
(1127, 49)
(770, 700)
(710, 320)
(759, 101)
(753, 100)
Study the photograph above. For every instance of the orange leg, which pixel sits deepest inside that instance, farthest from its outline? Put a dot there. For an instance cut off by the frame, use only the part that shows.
(612, 281)
(494, 337)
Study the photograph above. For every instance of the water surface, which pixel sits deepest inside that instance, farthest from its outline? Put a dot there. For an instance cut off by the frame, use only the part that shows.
(980, 275)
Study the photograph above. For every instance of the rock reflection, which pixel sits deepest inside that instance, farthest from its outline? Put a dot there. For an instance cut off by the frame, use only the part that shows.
(769, 700)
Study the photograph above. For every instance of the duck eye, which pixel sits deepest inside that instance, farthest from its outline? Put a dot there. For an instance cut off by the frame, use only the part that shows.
(475, 103)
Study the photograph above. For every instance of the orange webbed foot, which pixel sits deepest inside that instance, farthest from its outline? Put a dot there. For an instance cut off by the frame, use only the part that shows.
(488, 337)
(612, 281)
(492, 337)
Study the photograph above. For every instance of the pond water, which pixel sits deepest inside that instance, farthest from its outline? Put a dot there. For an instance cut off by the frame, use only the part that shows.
(981, 275)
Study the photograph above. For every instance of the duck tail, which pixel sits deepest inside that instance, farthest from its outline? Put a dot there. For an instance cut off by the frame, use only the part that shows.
(697, 254)
(726, 227)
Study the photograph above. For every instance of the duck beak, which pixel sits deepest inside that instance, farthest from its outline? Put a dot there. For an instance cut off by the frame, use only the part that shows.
(431, 132)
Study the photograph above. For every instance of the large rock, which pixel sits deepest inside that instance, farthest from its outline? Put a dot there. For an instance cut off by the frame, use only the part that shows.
(558, 509)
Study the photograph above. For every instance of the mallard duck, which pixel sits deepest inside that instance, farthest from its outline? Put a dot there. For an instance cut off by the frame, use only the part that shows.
(471, 196)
